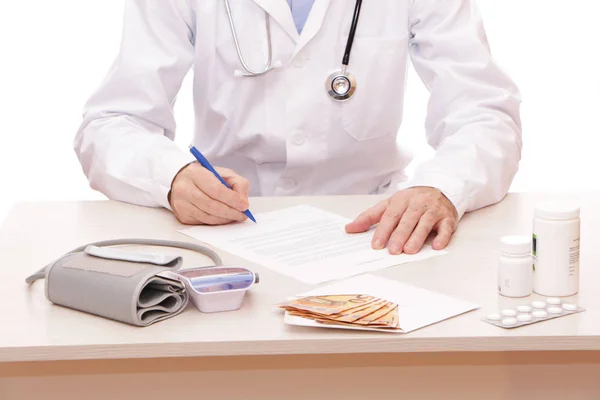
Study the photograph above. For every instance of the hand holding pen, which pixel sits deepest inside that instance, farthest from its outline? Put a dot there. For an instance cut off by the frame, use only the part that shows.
(202, 194)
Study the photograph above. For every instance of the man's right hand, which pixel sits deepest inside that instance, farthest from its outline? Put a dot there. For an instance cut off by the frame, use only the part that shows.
(197, 197)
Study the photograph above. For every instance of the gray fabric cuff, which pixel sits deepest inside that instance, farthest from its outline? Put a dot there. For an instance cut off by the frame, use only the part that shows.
(117, 284)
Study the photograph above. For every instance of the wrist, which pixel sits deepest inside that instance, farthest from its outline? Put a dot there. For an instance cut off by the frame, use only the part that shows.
(452, 188)
(177, 174)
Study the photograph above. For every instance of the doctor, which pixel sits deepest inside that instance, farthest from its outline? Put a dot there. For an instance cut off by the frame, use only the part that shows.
(323, 118)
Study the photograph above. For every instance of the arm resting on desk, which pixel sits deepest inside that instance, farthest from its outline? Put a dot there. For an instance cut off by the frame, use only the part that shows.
(125, 142)
(473, 118)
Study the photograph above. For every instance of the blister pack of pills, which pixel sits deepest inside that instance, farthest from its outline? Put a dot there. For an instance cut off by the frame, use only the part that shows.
(531, 313)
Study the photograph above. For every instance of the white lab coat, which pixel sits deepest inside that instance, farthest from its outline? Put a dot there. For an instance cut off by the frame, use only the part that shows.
(281, 130)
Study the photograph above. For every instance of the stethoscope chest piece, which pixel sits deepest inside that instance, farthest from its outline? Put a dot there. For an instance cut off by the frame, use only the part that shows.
(340, 85)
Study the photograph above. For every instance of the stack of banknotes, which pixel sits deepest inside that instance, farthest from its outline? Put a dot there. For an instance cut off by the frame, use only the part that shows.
(352, 309)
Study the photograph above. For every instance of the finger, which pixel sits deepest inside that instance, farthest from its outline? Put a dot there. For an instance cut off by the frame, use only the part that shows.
(210, 185)
(367, 218)
(404, 229)
(206, 218)
(188, 192)
(420, 233)
(389, 222)
(239, 184)
(215, 208)
(444, 233)
(189, 214)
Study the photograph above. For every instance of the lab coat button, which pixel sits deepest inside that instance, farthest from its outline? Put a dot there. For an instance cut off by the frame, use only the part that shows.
(298, 138)
(288, 183)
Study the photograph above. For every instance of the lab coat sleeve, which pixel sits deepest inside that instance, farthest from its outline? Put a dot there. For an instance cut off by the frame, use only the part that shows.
(125, 142)
(473, 119)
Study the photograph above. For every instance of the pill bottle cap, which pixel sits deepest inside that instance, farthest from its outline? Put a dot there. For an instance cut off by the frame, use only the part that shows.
(515, 244)
(557, 210)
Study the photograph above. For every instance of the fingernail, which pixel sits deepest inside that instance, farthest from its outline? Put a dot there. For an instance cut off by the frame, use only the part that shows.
(409, 248)
(394, 249)
(378, 244)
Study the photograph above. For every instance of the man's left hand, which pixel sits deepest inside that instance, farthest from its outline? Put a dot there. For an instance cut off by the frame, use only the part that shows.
(407, 218)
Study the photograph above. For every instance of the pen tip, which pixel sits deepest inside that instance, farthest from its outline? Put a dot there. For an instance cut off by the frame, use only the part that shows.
(190, 146)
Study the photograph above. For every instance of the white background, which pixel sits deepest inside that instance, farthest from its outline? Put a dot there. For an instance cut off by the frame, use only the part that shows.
(55, 53)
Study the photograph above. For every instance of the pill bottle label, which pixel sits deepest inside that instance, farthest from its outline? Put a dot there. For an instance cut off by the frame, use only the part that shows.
(534, 250)
(574, 257)
(555, 253)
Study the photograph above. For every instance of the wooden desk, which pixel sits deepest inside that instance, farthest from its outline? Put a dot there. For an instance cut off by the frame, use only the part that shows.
(50, 352)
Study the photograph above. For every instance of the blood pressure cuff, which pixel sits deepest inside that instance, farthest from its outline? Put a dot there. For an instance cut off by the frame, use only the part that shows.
(121, 285)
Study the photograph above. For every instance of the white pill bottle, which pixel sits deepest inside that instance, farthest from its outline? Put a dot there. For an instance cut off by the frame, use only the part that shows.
(515, 266)
(555, 249)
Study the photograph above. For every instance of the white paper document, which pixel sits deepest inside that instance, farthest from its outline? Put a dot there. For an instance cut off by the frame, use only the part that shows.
(304, 242)
(417, 307)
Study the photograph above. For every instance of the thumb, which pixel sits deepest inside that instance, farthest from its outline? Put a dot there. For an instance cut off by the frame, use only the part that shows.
(367, 219)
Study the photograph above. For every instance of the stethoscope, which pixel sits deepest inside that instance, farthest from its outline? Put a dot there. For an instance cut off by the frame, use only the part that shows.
(340, 84)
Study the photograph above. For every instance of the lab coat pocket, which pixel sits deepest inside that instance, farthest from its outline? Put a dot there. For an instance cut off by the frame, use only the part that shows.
(375, 109)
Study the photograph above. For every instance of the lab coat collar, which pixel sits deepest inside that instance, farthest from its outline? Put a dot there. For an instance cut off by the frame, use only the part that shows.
(313, 24)
(279, 11)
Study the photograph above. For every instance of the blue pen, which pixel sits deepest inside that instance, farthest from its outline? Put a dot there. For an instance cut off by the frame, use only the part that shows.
(204, 162)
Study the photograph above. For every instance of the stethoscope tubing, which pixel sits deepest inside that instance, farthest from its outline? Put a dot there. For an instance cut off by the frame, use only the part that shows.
(336, 76)
(352, 33)
(237, 43)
